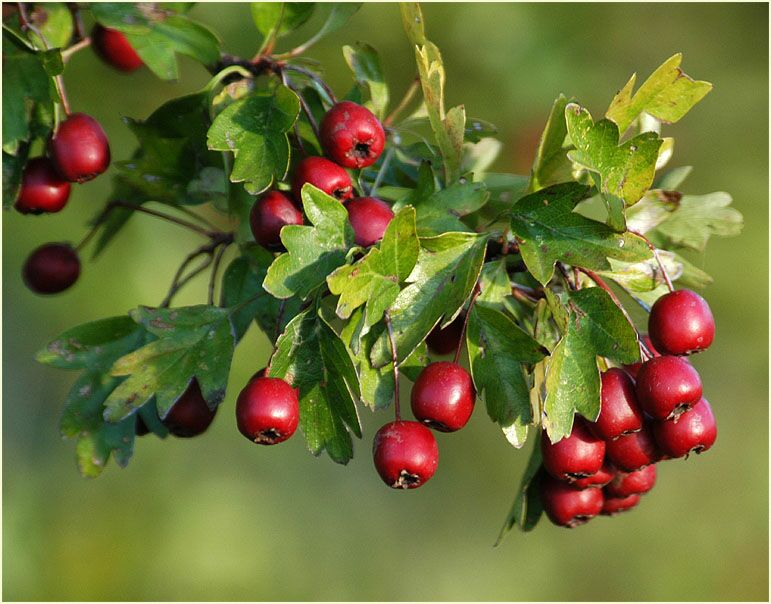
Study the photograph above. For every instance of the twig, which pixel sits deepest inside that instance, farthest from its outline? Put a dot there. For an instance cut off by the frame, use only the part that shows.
(565, 275)
(313, 76)
(306, 110)
(298, 138)
(653, 249)
(474, 296)
(80, 31)
(214, 269)
(519, 291)
(381, 173)
(179, 221)
(68, 52)
(406, 99)
(389, 326)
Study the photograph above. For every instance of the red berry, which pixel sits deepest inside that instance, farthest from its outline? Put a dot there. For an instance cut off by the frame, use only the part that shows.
(694, 431)
(443, 396)
(633, 451)
(267, 411)
(667, 386)
(681, 322)
(42, 189)
(351, 135)
(635, 367)
(190, 415)
(567, 506)
(632, 483)
(51, 268)
(369, 218)
(598, 479)
(405, 453)
(619, 411)
(322, 174)
(270, 213)
(79, 149)
(574, 457)
(444, 341)
(615, 505)
(114, 49)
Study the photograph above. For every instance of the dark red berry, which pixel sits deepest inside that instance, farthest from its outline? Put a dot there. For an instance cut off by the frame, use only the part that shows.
(141, 427)
(270, 213)
(322, 174)
(267, 410)
(405, 453)
(574, 457)
(667, 386)
(444, 341)
(369, 218)
(351, 135)
(632, 483)
(190, 415)
(635, 367)
(619, 411)
(615, 505)
(598, 479)
(567, 506)
(694, 431)
(42, 189)
(114, 49)
(443, 396)
(633, 451)
(79, 149)
(681, 322)
(51, 268)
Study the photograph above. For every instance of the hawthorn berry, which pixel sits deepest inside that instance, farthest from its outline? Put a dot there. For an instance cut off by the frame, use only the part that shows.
(51, 268)
(568, 506)
(615, 505)
(681, 322)
(633, 451)
(269, 214)
(190, 415)
(635, 367)
(267, 410)
(667, 386)
(42, 189)
(405, 454)
(632, 483)
(114, 49)
(369, 217)
(351, 135)
(79, 149)
(322, 174)
(443, 396)
(445, 340)
(694, 431)
(599, 479)
(574, 457)
(619, 411)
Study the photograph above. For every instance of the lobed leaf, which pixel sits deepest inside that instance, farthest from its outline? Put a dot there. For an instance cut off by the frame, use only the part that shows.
(365, 64)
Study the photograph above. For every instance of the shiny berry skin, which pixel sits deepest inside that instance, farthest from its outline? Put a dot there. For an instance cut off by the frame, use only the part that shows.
(633, 451)
(114, 49)
(405, 454)
(444, 341)
(681, 322)
(667, 386)
(615, 505)
(190, 415)
(51, 268)
(351, 135)
(574, 457)
(270, 213)
(694, 431)
(322, 174)
(42, 189)
(79, 149)
(635, 367)
(567, 506)
(598, 479)
(443, 396)
(632, 483)
(619, 411)
(369, 217)
(267, 411)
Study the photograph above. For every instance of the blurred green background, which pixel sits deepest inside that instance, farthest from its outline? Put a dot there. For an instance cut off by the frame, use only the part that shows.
(218, 518)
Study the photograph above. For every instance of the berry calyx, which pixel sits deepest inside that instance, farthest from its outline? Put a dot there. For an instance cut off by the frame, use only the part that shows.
(51, 268)
(574, 457)
(190, 415)
(567, 506)
(632, 483)
(405, 454)
(667, 386)
(442, 341)
(681, 322)
(351, 135)
(114, 49)
(369, 217)
(695, 431)
(79, 149)
(598, 479)
(42, 189)
(322, 174)
(633, 451)
(615, 505)
(269, 214)
(267, 411)
(443, 396)
(619, 411)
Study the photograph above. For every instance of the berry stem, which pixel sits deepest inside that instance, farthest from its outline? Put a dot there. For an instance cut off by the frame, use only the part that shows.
(389, 326)
(315, 77)
(215, 268)
(525, 293)
(381, 173)
(68, 52)
(655, 251)
(406, 100)
(474, 296)
(565, 276)
(306, 109)
(77, 17)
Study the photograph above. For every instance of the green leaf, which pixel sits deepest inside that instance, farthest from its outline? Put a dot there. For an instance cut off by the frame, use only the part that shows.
(442, 211)
(698, 217)
(653, 209)
(312, 357)
(527, 508)
(54, 21)
(338, 16)
(365, 64)
(644, 276)
(412, 20)
(672, 180)
(551, 165)
(13, 166)
(477, 130)
(313, 252)
(548, 230)
(604, 325)
(668, 94)
(255, 129)
(277, 18)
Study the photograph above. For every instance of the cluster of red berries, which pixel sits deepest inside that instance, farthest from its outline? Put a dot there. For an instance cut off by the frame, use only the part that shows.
(649, 412)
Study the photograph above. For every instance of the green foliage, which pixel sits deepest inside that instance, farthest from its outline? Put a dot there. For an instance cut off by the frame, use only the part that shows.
(365, 64)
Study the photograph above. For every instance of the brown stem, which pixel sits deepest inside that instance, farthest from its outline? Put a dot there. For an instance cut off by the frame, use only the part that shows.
(311, 75)
(307, 111)
(474, 296)
(525, 293)
(406, 99)
(653, 249)
(68, 52)
(394, 359)
(215, 268)
(565, 275)
(77, 17)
